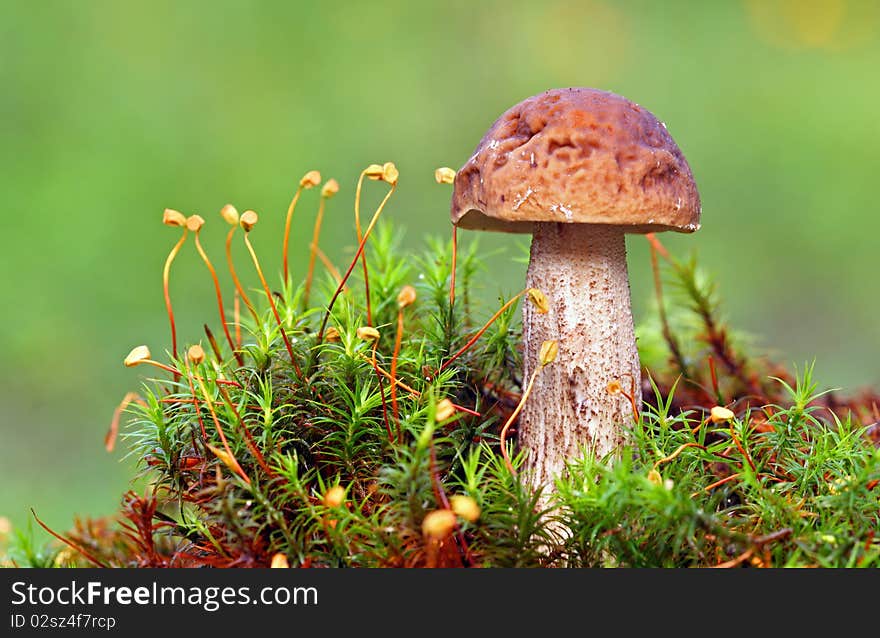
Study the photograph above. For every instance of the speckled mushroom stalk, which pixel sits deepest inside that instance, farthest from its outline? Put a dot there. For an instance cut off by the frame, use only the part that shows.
(578, 168)
(585, 399)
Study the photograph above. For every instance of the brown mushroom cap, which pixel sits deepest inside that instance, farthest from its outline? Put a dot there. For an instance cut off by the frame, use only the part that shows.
(576, 155)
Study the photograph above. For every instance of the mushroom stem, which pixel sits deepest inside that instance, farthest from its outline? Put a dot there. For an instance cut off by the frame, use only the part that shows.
(577, 403)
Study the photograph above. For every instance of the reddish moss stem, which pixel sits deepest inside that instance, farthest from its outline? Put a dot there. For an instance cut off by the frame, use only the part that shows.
(235, 464)
(354, 262)
(334, 272)
(290, 210)
(162, 366)
(217, 291)
(166, 276)
(235, 279)
(313, 252)
(379, 372)
(197, 408)
(69, 542)
(480, 332)
(671, 342)
(236, 316)
(113, 431)
(274, 308)
(249, 439)
(357, 225)
(512, 418)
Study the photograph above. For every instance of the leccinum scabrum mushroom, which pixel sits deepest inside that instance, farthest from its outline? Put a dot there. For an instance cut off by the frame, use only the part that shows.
(577, 168)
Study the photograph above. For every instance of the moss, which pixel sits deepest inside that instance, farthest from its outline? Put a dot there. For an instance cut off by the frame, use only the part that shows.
(319, 440)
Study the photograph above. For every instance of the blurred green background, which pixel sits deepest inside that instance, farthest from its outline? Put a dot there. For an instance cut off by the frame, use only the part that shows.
(111, 111)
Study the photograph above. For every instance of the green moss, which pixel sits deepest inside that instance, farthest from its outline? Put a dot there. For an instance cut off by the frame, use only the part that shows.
(791, 479)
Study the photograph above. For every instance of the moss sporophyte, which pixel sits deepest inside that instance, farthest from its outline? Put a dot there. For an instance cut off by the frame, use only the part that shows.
(379, 414)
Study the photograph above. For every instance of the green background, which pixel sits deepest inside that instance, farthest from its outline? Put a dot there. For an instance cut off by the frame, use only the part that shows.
(112, 111)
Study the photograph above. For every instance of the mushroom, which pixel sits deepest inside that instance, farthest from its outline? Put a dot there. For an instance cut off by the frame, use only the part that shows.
(578, 168)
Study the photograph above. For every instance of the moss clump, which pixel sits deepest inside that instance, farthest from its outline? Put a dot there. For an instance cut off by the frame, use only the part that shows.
(361, 428)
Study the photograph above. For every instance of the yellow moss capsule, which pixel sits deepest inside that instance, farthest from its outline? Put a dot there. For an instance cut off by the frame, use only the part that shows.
(444, 175)
(330, 189)
(136, 356)
(195, 222)
(465, 507)
(374, 171)
(839, 485)
(720, 414)
(171, 217)
(444, 410)
(539, 299)
(613, 387)
(335, 496)
(406, 296)
(331, 334)
(655, 477)
(390, 173)
(367, 333)
(195, 354)
(548, 352)
(438, 524)
(64, 558)
(279, 561)
(248, 220)
(229, 214)
(310, 179)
